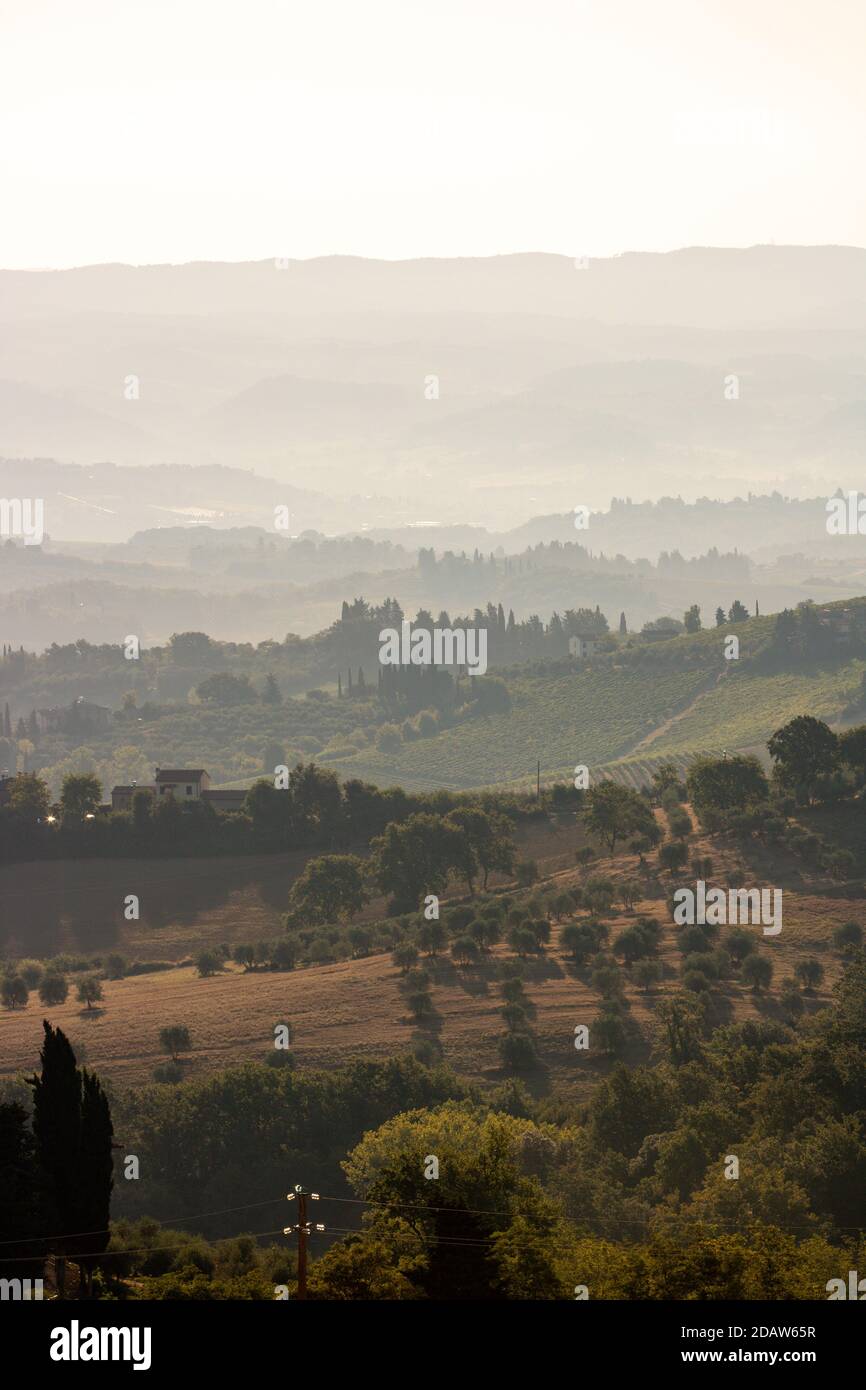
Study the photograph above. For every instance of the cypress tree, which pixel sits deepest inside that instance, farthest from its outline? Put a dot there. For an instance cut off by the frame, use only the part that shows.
(57, 1129)
(95, 1174)
(72, 1131)
(22, 1198)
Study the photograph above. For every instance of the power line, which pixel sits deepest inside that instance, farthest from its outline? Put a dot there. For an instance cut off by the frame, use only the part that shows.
(170, 1221)
(676, 1218)
(139, 1249)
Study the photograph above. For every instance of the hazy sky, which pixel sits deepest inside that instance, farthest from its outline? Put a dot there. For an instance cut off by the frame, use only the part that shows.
(183, 130)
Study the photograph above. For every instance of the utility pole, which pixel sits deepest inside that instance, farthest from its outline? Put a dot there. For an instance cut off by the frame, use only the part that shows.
(302, 1229)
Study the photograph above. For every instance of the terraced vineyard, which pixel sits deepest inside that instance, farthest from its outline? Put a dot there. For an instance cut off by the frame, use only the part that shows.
(593, 717)
(679, 699)
(746, 708)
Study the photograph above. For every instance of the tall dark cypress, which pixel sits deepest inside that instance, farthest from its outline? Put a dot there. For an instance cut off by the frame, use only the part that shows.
(72, 1129)
(22, 1209)
(95, 1176)
(57, 1122)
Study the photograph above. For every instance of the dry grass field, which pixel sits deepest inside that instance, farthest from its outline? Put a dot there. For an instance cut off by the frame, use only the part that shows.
(357, 1008)
(78, 905)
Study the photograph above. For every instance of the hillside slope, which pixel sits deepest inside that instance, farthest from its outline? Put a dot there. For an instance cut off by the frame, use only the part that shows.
(671, 698)
(358, 1007)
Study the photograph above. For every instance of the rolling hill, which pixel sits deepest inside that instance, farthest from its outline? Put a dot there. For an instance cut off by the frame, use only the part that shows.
(670, 699)
(358, 1007)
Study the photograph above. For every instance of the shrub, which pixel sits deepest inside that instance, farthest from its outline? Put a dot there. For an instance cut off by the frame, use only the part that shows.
(404, 956)
(388, 738)
(518, 1052)
(739, 944)
(284, 954)
(321, 951)
(13, 992)
(609, 1032)
(634, 943)
(53, 988)
(696, 982)
(703, 961)
(673, 855)
(174, 1039)
(280, 1057)
(848, 936)
(582, 939)
(526, 872)
(680, 823)
(512, 991)
(607, 980)
(427, 1050)
(841, 864)
(421, 1004)
(208, 963)
(486, 931)
(560, 905)
(758, 972)
(647, 973)
(599, 893)
(691, 939)
(630, 892)
(540, 928)
(522, 940)
(791, 1001)
(431, 937)
(458, 919)
(170, 1073)
(30, 972)
(515, 1017)
(465, 951)
(702, 866)
(89, 990)
(809, 972)
(417, 979)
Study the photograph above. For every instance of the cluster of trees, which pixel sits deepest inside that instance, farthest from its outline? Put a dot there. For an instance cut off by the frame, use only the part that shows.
(811, 763)
(706, 964)
(411, 861)
(56, 1168)
(571, 555)
(313, 810)
(19, 978)
(510, 642)
(640, 1173)
(626, 1194)
(613, 812)
(808, 634)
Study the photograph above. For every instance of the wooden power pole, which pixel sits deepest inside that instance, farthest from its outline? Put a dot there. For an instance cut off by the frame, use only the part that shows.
(302, 1230)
